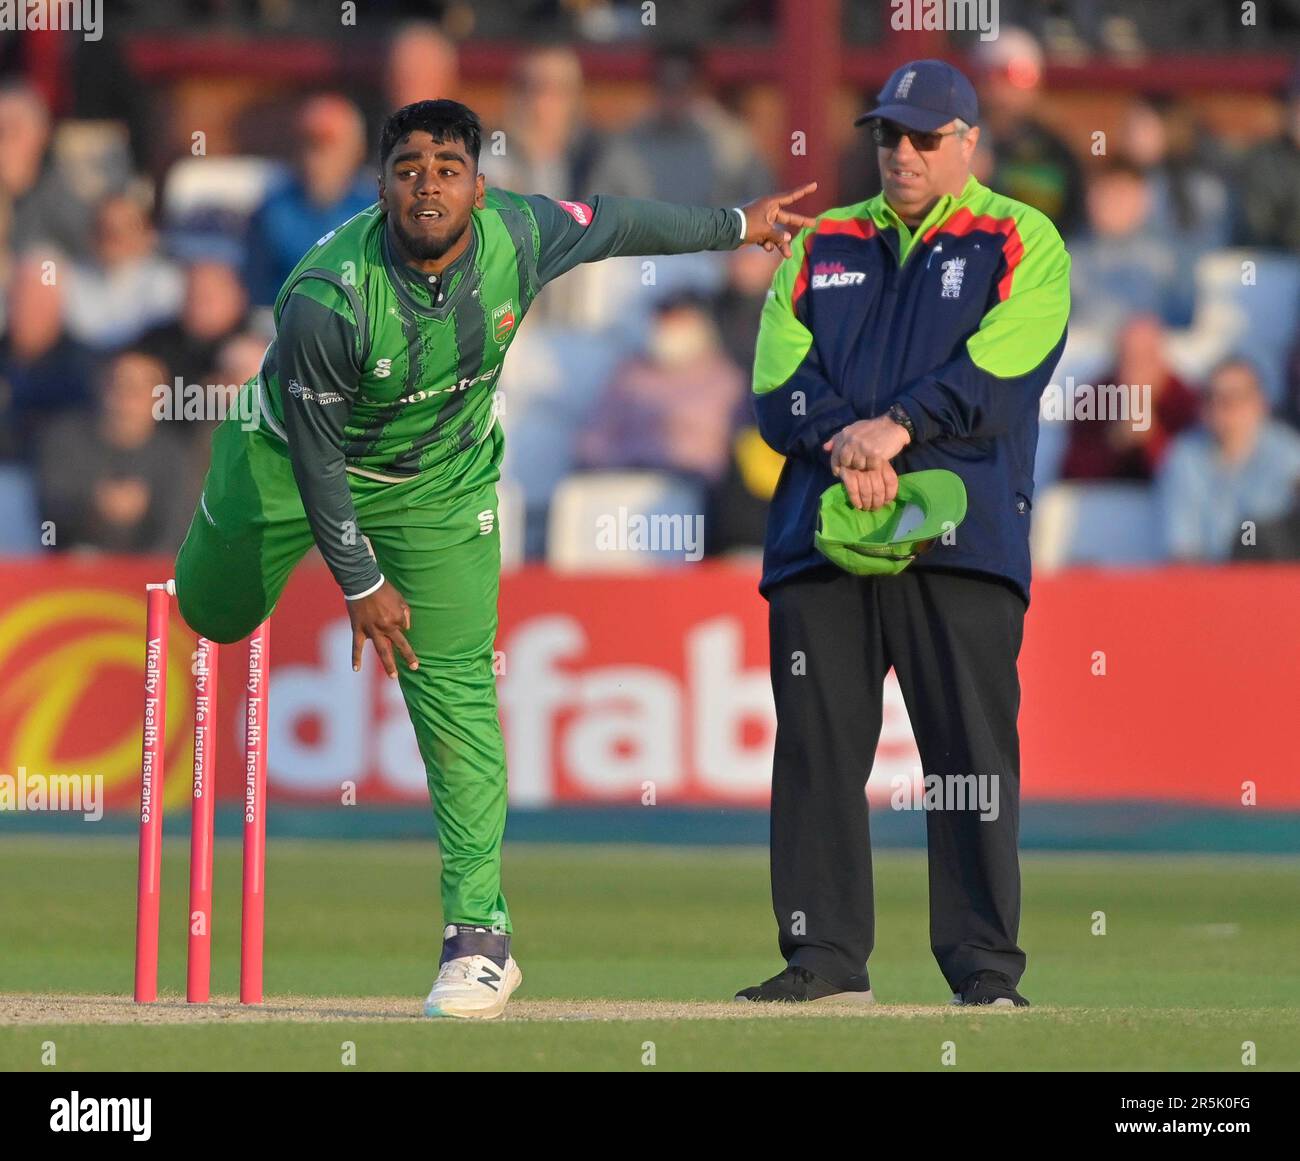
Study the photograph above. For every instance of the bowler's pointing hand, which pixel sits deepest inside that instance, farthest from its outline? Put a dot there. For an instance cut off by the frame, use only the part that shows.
(381, 617)
(765, 218)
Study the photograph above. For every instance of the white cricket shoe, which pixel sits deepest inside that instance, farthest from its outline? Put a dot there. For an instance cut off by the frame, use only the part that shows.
(473, 987)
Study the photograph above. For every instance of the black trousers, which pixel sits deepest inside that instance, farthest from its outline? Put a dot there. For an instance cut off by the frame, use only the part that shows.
(952, 639)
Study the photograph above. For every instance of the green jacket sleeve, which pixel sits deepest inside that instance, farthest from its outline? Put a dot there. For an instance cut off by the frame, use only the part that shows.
(1005, 365)
(571, 233)
(316, 360)
(796, 405)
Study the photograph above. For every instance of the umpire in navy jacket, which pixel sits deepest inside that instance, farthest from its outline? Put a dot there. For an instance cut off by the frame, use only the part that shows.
(915, 330)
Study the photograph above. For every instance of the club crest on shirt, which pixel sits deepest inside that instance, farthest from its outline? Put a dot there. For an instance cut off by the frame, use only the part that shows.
(503, 320)
(954, 270)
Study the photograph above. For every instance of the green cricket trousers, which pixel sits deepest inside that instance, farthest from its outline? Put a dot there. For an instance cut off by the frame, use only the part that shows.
(439, 545)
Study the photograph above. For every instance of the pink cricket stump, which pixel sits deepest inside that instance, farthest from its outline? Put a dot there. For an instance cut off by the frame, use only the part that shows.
(202, 814)
(250, 951)
(149, 884)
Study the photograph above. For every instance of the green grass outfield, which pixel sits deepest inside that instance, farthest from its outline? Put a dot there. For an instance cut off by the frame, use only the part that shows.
(1200, 955)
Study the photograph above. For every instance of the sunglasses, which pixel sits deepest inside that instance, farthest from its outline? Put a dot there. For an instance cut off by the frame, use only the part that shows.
(888, 135)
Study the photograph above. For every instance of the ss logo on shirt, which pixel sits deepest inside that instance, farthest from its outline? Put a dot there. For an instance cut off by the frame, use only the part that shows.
(383, 368)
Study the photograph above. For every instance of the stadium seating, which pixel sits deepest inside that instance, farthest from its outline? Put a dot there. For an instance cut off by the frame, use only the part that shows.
(1096, 523)
(203, 193)
(19, 512)
(596, 518)
(1256, 319)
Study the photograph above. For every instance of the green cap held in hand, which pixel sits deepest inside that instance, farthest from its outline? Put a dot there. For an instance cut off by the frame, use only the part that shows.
(887, 540)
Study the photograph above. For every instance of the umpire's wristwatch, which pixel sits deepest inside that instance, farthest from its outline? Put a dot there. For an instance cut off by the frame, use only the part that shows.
(900, 417)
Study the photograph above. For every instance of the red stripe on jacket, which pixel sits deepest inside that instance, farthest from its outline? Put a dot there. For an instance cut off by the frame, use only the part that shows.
(862, 228)
(1013, 249)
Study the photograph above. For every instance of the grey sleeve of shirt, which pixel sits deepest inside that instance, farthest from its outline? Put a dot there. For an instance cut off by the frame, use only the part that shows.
(319, 380)
(617, 227)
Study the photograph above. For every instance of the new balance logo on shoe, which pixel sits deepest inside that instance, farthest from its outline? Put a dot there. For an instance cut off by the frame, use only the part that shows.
(472, 987)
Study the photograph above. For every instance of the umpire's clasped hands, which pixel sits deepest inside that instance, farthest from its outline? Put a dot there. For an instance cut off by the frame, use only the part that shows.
(860, 455)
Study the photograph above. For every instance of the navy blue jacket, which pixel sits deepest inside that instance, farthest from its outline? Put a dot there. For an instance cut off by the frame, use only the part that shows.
(960, 322)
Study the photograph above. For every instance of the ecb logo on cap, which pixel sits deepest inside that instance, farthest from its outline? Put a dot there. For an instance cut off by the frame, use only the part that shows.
(905, 85)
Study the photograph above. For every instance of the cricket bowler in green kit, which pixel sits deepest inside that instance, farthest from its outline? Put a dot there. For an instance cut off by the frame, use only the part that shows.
(377, 440)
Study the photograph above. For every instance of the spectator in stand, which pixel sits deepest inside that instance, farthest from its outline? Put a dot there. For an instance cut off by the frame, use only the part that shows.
(1189, 201)
(45, 208)
(215, 308)
(673, 407)
(327, 186)
(128, 286)
(421, 66)
(1120, 269)
(192, 347)
(1269, 186)
(859, 175)
(236, 359)
(549, 149)
(42, 370)
(1239, 466)
(738, 502)
(1132, 449)
(239, 358)
(1189, 205)
(689, 149)
(6, 258)
(1029, 162)
(739, 306)
(1289, 408)
(116, 478)
(1277, 540)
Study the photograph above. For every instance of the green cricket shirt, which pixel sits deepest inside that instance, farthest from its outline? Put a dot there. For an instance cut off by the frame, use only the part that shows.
(381, 371)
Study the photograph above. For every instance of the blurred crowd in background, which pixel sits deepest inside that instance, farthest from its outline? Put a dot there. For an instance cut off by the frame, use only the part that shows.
(1186, 253)
(1066, 27)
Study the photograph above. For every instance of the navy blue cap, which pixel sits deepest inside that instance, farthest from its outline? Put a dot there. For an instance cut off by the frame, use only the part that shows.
(924, 95)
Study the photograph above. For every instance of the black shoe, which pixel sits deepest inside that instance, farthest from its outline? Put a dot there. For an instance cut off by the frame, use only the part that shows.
(991, 988)
(797, 985)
